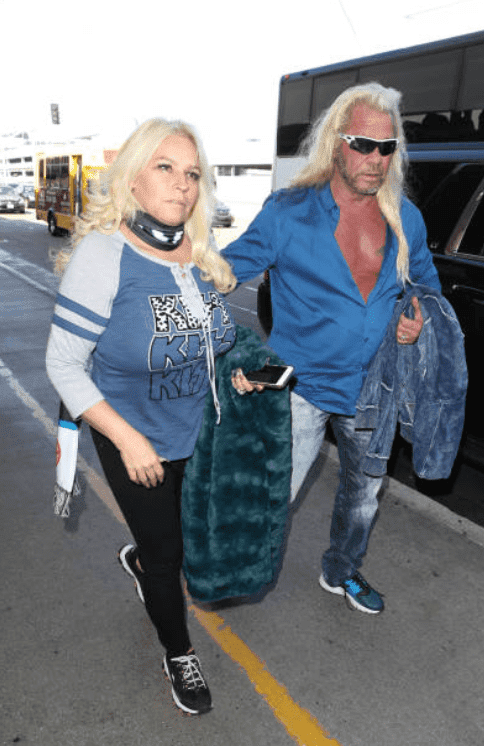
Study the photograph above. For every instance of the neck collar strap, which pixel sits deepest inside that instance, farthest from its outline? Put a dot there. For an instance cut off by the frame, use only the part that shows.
(156, 234)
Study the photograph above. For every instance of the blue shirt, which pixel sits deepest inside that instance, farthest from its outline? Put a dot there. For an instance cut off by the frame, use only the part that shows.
(321, 323)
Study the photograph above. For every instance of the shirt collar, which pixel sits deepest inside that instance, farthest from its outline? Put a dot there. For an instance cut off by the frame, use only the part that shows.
(327, 200)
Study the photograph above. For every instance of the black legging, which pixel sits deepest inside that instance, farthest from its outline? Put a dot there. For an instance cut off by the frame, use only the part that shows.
(153, 516)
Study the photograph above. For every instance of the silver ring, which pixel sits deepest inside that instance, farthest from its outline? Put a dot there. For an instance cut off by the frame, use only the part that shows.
(241, 392)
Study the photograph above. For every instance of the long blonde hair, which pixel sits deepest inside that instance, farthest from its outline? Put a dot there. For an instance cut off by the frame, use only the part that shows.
(321, 145)
(111, 200)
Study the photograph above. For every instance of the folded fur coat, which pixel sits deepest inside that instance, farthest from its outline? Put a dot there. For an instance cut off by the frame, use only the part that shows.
(236, 485)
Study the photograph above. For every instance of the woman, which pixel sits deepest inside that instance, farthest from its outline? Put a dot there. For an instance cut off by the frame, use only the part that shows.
(137, 325)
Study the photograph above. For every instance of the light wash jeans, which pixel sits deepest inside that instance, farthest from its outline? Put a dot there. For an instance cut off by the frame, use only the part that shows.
(356, 504)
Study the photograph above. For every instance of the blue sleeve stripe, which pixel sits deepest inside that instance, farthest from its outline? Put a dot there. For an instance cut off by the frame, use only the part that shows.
(68, 425)
(86, 313)
(78, 331)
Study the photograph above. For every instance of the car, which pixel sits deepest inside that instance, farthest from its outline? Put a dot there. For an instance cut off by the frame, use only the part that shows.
(222, 217)
(10, 201)
(447, 184)
(28, 194)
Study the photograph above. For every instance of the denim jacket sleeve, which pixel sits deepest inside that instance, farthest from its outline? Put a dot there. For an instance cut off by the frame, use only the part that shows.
(421, 386)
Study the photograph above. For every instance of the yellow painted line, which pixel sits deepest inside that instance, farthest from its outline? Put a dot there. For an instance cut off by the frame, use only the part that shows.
(303, 727)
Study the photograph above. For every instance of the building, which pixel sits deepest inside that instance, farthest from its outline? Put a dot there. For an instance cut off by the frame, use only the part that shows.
(243, 175)
(17, 160)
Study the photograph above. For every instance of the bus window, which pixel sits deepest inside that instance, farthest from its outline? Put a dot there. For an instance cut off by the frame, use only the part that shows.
(64, 173)
(428, 82)
(327, 88)
(294, 114)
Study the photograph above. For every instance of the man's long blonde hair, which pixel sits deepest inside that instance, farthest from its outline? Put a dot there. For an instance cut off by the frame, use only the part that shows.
(322, 143)
(111, 200)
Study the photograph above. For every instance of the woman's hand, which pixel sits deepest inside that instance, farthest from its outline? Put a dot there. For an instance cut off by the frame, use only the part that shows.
(242, 385)
(141, 461)
(408, 330)
(139, 457)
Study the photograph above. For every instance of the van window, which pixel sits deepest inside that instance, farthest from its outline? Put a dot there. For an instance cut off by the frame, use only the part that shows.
(473, 239)
(443, 206)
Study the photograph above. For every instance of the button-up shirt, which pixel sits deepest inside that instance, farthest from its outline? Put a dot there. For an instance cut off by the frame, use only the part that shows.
(321, 323)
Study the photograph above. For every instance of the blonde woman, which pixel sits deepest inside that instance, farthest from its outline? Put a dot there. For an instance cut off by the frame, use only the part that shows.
(341, 243)
(138, 322)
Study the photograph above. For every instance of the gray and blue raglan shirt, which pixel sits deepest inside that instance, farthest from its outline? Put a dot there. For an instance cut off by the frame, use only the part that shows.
(140, 332)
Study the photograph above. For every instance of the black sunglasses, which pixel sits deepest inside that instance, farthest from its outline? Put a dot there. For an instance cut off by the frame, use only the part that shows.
(367, 145)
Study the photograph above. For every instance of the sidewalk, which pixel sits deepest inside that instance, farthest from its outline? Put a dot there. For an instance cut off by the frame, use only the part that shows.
(80, 665)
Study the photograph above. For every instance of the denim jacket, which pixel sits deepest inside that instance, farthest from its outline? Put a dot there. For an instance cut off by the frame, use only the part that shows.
(422, 386)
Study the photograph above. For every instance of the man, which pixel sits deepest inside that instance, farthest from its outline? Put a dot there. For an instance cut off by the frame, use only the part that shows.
(341, 243)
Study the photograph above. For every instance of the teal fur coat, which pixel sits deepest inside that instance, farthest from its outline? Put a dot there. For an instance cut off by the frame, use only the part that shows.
(236, 485)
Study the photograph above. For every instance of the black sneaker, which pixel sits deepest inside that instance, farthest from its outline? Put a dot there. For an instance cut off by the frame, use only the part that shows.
(127, 557)
(188, 686)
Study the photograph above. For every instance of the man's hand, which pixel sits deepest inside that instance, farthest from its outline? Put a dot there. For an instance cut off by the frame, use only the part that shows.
(408, 330)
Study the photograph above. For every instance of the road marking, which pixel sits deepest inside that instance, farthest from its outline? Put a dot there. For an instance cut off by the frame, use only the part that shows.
(44, 281)
(26, 279)
(241, 308)
(303, 727)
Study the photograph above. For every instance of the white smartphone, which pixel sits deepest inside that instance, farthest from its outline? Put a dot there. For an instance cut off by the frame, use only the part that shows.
(272, 376)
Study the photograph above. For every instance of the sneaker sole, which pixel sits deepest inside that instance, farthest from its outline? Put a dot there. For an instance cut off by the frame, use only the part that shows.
(350, 601)
(124, 564)
(337, 590)
(179, 704)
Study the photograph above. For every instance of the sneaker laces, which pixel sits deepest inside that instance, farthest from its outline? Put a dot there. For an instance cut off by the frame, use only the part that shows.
(358, 584)
(190, 671)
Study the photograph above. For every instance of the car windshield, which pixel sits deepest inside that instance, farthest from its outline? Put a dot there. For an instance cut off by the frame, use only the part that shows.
(6, 190)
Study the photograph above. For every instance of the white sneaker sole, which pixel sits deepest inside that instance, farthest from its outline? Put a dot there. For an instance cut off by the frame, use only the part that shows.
(122, 557)
(338, 590)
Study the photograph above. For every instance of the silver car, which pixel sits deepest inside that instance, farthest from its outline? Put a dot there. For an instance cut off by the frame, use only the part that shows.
(10, 201)
(222, 217)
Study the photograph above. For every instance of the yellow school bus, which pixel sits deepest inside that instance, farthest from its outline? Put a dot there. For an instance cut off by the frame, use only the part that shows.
(62, 181)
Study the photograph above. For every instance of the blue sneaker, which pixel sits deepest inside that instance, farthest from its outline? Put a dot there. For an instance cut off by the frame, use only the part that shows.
(358, 593)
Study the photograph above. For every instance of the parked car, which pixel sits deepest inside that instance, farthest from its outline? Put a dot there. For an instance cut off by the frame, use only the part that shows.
(28, 194)
(448, 186)
(222, 217)
(10, 201)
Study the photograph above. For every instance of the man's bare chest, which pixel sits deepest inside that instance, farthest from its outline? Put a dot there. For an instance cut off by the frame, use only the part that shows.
(362, 245)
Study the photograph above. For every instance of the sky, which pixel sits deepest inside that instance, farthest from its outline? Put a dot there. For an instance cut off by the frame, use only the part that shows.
(216, 64)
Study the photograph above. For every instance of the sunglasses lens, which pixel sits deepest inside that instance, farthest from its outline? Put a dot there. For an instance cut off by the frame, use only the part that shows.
(387, 148)
(363, 145)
